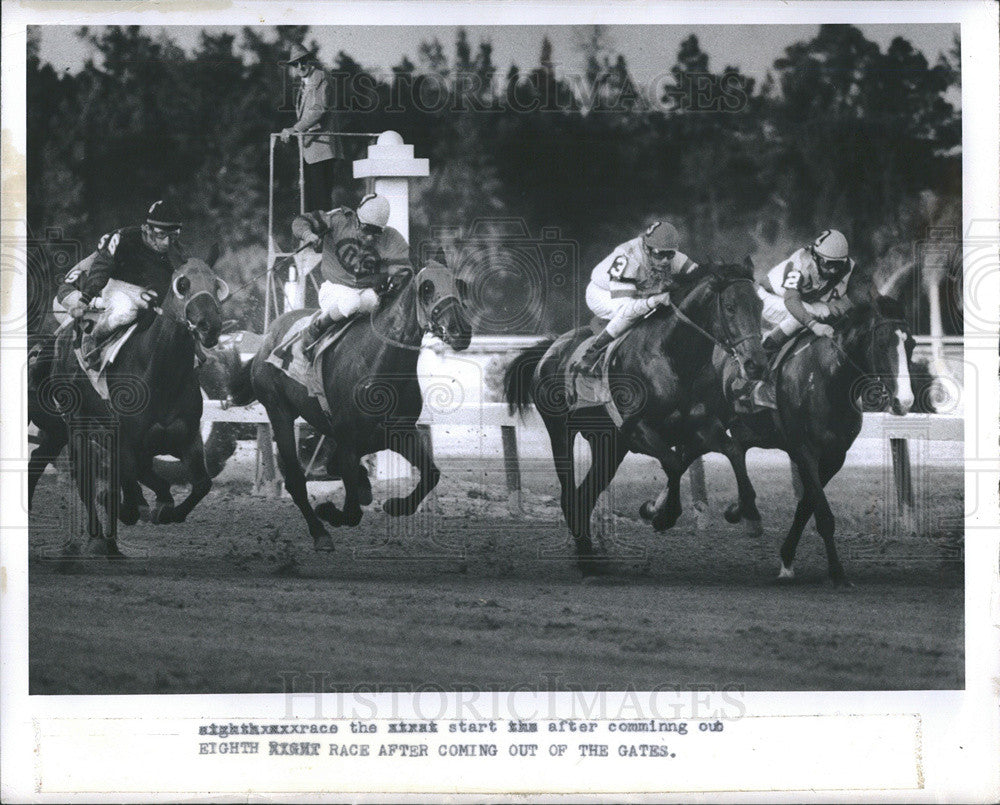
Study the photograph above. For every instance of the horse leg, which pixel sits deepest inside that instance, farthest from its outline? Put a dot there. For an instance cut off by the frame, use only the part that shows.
(46, 453)
(410, 445)
(160, 487)
(351, 472)
(561, 437)
(87, 460)
(283, 427)
(327, 510)
(83, 480)
(193, 458)
(814, 475)
(746, 507)
(607, 450)
(133, 502)
(667, 508)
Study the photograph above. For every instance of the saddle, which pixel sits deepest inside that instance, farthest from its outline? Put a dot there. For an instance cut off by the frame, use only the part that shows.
(289, 358)
(109, 349)
(592, 390)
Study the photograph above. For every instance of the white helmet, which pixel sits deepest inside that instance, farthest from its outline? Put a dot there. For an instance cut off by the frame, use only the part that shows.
(831, 245)
(374, 211)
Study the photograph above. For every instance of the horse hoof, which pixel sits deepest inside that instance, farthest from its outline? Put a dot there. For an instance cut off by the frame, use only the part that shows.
(732, 513)
(786, 574)
(396, 507)
(163, 515)
(323, 542)
(365, 495)
(753, 529)
(331, 514)
(664, 522)
(646, 511)
(842, 583)
(129, 516)
(353, 519)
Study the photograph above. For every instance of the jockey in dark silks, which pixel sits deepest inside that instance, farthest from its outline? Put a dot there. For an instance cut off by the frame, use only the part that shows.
(360, 251)
(633, 280)
(130, 271)
(815, 285)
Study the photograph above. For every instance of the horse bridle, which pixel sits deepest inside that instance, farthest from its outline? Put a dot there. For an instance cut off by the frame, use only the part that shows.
(730, 344)
(896, 324)
(429, 326)
(199, 349)
(434, 327)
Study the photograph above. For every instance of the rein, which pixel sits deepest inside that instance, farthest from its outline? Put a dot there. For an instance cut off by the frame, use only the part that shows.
(871, 334)
(199, 349)
(430, 325)
(728, 346)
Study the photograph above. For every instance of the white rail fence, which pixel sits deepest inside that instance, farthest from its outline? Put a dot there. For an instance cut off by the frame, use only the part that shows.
(897, 430)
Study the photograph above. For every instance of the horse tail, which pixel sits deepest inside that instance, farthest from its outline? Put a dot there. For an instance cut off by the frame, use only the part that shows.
(241, 385)
(517, 377)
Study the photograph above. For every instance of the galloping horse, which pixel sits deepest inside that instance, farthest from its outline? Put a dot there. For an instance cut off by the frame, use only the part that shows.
(154, 407)
(822, 388)
(654, 375)
(370, 382)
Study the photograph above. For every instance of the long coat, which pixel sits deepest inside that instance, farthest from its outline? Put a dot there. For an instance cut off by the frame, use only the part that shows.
(313, 107)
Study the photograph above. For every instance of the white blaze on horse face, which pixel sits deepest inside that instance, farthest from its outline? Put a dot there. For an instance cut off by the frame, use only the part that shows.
(904, 390)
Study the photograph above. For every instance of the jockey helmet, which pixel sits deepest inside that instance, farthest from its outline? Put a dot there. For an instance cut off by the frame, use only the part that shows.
(162, 214)
(830, 251)
(373, 211)
(659, 242)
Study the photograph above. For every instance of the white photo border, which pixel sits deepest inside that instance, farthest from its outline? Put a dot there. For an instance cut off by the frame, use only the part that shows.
(959, 730)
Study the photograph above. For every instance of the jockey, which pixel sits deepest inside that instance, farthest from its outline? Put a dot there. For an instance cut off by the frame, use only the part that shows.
(815, 285)
(359, 251)
(633, 280)
(132, 270)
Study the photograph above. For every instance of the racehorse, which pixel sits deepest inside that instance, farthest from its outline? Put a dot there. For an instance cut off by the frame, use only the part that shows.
(154, 407)
(653, 375)
(370, 381)
(823, 387)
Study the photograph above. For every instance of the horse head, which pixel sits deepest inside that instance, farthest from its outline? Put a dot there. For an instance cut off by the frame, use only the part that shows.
(878, 341)
(726, 299)
(439, 295)
(196, 293)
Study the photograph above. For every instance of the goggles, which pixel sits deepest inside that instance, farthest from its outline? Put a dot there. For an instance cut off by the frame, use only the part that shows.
(661, 254)
(371, 230)
(830, 266)
(162, 233)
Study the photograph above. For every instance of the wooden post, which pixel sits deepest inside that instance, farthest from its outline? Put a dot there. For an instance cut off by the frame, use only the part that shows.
(699, 492)
(511, 466)
(266, 480)
(903, 481)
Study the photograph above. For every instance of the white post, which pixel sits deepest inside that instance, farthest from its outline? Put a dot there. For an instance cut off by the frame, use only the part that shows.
(390, 162)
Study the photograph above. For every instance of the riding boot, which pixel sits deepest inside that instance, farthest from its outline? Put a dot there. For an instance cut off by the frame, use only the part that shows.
(313, 334)
(591, 358)
(756, 395)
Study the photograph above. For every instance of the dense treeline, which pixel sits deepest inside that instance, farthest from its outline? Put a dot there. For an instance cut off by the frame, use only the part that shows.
(840, 135)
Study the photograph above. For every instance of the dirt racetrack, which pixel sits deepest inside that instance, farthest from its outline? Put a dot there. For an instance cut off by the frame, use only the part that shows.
(466, 595)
